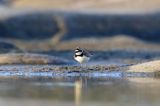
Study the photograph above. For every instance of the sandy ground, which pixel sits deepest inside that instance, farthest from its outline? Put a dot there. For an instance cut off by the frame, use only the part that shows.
(118, 42)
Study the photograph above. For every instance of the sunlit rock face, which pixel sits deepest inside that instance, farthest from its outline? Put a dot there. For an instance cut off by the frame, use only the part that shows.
(117, 6)
(152, 66)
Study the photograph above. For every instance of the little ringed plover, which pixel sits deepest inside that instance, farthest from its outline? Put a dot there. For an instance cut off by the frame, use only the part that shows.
(81, 55)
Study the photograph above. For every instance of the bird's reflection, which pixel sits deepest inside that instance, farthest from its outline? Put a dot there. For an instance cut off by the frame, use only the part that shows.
(80, 84)
(78, 92)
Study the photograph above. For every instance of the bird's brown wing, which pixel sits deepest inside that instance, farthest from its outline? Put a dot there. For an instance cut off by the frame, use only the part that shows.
(87, 53)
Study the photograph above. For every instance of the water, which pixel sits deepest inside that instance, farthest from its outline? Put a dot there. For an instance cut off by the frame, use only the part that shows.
(79, 91)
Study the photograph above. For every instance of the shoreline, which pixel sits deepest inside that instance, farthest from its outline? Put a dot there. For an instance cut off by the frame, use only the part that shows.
(138, 70)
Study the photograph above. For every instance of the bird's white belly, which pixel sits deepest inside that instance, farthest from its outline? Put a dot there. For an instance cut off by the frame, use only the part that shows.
(82, 59)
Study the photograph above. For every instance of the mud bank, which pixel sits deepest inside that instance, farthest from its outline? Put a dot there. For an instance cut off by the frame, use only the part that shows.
(148, 69)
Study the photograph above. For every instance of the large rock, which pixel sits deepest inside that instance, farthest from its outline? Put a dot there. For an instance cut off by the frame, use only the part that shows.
(29, 26)
(152, 66)
(144, 27)
(45, 25)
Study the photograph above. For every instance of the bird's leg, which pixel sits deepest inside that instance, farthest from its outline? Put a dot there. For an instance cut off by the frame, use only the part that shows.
(81, 64)
(85, 65)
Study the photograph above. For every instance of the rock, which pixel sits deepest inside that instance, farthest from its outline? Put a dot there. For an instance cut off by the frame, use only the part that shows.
(28, 58)
(145, 27)
(8, 47)
(29, 26)
(152, 66)
(45, 25)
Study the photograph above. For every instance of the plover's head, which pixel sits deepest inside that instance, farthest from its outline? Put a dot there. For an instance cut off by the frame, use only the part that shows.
(78, 51)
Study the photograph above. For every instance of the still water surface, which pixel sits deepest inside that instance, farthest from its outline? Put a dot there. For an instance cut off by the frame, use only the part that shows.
(79, 91)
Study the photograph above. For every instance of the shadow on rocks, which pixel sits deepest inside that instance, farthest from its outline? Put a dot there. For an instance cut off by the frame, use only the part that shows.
(8, 48)
(29, 26)
(44, 25)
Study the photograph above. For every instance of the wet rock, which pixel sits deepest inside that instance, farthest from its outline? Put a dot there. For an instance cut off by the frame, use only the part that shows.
(63, 69)
(28, 58)
(56, 70)
(8, 47)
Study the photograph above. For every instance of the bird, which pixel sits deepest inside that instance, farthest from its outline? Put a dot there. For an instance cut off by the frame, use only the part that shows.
(82, 55)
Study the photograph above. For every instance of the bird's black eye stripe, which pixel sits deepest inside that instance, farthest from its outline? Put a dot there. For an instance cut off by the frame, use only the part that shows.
(78, 51)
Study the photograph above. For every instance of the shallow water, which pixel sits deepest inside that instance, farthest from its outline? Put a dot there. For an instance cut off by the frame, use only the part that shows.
(79, 91)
